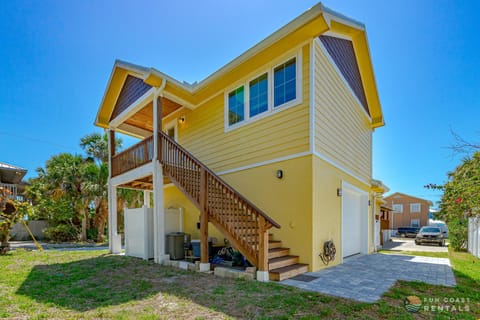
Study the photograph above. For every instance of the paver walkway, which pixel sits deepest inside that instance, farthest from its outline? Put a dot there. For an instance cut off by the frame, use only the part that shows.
(366, 277)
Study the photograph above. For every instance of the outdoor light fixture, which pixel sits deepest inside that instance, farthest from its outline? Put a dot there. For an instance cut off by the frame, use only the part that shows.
(280, 174)
(339, 192)
(181, 119)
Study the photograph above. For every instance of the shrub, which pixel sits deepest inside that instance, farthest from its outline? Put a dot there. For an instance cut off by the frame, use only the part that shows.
(61, 233)
(458, 233)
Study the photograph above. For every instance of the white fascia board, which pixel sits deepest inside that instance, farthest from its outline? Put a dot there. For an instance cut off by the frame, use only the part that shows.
(307, 16)
(137, 173)
(330, 14)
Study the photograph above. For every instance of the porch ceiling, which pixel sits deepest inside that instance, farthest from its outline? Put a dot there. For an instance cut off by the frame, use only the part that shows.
(145, 183)
(143, 119)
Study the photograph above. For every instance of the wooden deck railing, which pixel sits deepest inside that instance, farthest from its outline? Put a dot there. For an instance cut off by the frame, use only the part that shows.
(133, 157)
(243, 224)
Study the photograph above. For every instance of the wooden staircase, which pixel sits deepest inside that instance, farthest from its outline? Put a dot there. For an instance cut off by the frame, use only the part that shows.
(282, 265)
(240, 221)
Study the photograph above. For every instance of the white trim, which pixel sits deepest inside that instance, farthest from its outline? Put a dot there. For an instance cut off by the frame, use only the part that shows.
(297, 55)
(364, 234)
(172, 124)
(349, 88)
(139, 172)
(312, 97)
(178, 100)
(337, 35)
(336, 165)
(263, 163)
(139, 104)
(132, 131)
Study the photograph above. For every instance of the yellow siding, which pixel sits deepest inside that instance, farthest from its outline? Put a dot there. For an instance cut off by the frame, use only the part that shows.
(279, 134)
(174, 198)
(288, 201)
(327, 210)
(342, 130)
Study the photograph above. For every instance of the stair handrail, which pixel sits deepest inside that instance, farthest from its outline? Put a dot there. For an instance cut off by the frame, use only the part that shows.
(271, 222)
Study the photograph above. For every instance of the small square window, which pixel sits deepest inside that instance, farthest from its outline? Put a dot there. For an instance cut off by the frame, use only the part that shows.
(236, 106)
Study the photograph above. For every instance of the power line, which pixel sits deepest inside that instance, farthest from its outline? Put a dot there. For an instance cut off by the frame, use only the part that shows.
(8, 134)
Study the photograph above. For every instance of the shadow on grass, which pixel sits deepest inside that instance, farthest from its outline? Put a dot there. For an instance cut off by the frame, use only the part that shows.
(92, 283)
(108, 281)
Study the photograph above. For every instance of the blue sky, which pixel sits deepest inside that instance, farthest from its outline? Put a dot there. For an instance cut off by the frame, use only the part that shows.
(56, 57)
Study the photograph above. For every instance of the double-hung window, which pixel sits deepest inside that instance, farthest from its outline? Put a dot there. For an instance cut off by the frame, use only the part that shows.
(284, 82)
(271, 90)
(236, 106)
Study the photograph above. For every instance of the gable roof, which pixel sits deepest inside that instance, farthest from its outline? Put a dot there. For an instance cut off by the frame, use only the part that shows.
(11, 174)
(311, 24)
(409, 196)
(343, 54)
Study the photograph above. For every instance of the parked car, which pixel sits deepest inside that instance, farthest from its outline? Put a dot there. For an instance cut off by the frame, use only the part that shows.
(443, 227)
(430, 235)
(407, 231)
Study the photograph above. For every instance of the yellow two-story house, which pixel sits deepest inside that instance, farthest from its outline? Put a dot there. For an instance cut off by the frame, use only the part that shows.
(272, 152)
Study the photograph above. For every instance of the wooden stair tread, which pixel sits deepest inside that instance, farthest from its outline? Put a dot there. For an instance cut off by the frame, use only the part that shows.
(278, 252)
(283, 273)
(277, 259)
(278, 262)
(274, 244)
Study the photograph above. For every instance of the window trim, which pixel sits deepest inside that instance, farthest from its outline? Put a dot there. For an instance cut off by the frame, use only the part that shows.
(399, 205)
(419, 207)
(416, 220)
(270, 109)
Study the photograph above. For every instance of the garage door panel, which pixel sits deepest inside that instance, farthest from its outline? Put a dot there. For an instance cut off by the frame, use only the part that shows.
(353, 220)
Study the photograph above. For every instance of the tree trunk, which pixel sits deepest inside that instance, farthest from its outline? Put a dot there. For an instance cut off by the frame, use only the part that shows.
(102, 216)
(83, 236)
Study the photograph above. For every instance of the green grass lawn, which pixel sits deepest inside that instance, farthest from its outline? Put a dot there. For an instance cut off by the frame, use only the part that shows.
(95, 285)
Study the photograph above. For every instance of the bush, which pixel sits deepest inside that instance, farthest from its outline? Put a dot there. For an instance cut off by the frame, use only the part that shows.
(62, 233)
(458, 233)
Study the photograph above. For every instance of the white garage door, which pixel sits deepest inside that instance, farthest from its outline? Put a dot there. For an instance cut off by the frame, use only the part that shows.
(354, 220)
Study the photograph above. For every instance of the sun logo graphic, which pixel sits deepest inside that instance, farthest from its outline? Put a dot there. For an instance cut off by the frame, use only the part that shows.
(413, 303)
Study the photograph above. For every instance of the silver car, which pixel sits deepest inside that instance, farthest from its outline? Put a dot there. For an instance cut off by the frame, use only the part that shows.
(430, 235)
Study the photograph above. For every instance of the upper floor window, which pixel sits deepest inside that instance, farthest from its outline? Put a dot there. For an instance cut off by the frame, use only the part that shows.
(415, 207)
(273, 89)
(258, 95)
(397, 208)
(236, 106)
(284, 82)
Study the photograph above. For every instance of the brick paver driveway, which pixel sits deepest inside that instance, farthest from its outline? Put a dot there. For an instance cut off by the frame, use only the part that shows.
(366, 277)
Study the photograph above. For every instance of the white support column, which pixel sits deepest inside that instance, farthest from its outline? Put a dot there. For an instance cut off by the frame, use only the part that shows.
(114, 239)
(146, 198)
(158, 201)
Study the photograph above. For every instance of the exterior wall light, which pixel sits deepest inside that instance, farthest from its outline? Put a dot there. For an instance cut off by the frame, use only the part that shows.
(339, 192)
(181, 119)
(279, 174)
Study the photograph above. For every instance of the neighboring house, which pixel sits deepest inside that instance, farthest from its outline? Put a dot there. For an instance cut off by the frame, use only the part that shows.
(408, 211)
(11, 181)
(382, 214)
(288, 125)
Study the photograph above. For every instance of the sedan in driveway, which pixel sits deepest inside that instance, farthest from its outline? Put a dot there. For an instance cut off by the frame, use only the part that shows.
(430, 235)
